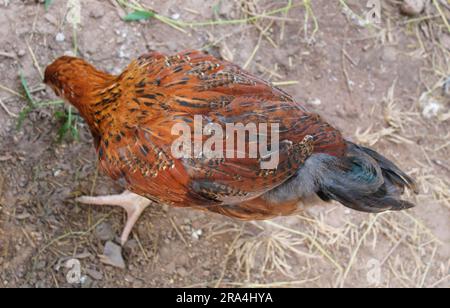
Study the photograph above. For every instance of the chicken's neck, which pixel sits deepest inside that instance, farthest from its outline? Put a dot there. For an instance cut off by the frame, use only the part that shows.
(96, 100)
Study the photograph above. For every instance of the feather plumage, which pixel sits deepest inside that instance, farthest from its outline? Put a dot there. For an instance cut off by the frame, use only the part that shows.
(131, 117)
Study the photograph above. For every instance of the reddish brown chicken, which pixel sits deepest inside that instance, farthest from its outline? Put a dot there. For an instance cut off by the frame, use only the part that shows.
(131, 117)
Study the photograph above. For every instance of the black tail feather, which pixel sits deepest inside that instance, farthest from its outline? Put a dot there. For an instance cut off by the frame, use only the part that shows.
(390, 171)
(365, 181)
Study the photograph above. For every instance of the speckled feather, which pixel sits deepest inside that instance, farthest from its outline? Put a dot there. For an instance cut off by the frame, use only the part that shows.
(131, 117)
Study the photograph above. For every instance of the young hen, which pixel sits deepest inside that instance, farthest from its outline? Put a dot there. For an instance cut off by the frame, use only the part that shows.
(131, 118)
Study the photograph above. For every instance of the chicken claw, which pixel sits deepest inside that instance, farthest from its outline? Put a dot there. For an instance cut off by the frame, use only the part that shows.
(132, 203)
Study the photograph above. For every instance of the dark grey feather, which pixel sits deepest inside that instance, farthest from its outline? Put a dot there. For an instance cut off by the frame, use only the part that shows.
(362, 180)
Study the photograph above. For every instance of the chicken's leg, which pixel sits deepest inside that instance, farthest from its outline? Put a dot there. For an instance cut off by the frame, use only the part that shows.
(131, 202)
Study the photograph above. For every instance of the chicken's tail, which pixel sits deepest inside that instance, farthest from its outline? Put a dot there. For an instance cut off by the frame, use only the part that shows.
(362, 180)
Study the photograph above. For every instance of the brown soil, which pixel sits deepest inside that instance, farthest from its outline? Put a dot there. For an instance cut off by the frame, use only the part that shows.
(349, 68)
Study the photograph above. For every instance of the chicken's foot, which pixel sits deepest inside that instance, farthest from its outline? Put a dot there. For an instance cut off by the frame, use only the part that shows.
(132, 203)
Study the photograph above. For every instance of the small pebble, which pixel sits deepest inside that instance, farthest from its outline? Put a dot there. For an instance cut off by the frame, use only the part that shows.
(86, 282)
(60, 37)
(112, 255)
(196, 234)
(412, 7)
(97, 13)
(431, 109)
(69, 53)
(21, 53)
(315, 102)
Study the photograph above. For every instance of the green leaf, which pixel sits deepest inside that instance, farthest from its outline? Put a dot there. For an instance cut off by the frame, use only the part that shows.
(26, 89)
(33, 105)
(47, 4)
(69, 126)
(75, 133)
(60, 115)
(139, 15)
(26, 111)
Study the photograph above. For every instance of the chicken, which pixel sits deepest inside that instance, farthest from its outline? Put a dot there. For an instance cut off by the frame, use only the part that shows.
(132, 118)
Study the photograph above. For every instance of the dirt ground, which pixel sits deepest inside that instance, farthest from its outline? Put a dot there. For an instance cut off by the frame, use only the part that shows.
(367, 80)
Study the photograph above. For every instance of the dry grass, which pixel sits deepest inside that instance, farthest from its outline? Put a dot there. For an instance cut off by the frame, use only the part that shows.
(395, 119)
(272, 247)
(259, 254)
(265, 249)
(436, 188)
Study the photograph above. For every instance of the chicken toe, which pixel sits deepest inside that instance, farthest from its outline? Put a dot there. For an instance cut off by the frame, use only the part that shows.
(132, 203)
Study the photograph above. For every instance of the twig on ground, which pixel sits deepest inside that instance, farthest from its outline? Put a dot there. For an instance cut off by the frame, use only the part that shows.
(11, 114)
